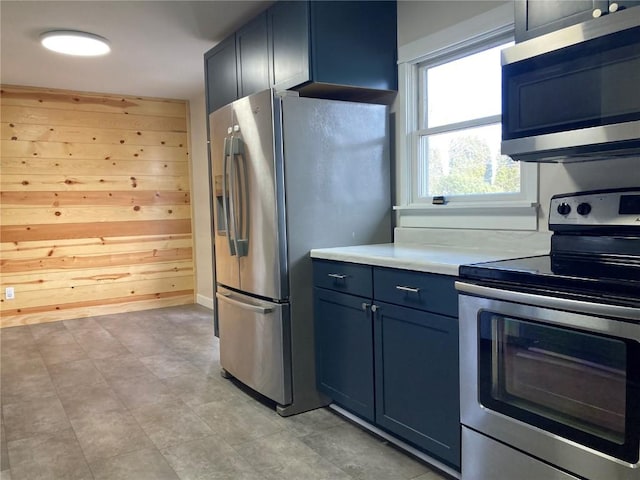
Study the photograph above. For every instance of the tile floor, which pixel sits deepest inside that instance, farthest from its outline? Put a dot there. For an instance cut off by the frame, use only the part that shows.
(139, 396)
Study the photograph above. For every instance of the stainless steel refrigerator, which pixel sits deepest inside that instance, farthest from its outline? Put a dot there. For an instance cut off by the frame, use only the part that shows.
(289, 174)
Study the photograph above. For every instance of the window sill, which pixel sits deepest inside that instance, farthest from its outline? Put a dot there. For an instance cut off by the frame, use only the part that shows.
(514, 215)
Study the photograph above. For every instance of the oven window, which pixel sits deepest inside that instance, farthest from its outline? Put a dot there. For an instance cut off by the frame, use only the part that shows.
(574, 384)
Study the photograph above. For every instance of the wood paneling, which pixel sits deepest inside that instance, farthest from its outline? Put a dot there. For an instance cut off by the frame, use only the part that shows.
(112, 136)
(29, 199)
(83, 183)
(24, 233)
(24, 166)
(95, 204)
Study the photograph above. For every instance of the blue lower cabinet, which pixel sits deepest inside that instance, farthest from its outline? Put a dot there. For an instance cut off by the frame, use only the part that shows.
(416, 377)
(387, 350)
(344, 350)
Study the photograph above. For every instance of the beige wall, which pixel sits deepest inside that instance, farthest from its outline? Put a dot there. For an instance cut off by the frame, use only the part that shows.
(200, 199)
(419, 18)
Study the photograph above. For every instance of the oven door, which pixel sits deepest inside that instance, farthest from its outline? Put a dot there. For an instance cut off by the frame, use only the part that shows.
(558, 385)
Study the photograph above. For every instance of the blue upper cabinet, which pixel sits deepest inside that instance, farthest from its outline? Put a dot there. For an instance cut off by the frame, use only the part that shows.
(221, 77)
(238, 66)
(343, 50)
(289, 39)
(328, 48)
(534, 18)
(253, 56)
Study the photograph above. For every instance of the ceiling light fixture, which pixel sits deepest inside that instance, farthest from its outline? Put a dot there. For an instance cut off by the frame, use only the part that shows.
(71, 42)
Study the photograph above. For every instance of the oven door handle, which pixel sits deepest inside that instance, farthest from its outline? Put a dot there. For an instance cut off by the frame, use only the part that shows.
(556, 303)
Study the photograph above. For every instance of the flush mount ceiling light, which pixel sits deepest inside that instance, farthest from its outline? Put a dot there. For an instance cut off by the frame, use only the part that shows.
(71, 42)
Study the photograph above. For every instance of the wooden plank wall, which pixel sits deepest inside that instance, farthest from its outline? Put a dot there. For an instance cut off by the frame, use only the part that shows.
(95, 205)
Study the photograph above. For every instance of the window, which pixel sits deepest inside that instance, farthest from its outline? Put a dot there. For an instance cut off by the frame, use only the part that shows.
(459, 136)
(452, 125)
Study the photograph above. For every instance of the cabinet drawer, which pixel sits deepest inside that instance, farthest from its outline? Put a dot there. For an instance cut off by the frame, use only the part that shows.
(426, 291)
(343, 277)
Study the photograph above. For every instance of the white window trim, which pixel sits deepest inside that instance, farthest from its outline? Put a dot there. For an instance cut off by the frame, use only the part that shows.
(518, 214)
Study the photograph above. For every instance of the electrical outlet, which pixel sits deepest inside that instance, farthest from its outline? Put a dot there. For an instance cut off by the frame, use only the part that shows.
(9, 293)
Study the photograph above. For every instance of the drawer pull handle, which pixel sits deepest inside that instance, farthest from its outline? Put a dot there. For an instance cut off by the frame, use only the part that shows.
(338, 276)
(408, 289)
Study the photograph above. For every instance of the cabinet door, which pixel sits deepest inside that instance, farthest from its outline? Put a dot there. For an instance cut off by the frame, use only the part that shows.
(416, 378)
(221, 78)
(253, 56)
(534, 17)
(344, 350)
(354, 43)
(289, 37)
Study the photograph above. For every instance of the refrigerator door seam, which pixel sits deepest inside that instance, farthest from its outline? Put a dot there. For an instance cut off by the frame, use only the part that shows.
(247, 306)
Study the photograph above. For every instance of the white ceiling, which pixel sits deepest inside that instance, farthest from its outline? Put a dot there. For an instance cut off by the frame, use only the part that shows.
(157, 46)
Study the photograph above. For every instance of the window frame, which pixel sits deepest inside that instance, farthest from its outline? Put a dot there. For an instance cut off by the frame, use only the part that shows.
(513, 211)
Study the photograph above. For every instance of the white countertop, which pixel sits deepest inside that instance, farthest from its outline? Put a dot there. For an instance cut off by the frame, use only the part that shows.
(423, 258)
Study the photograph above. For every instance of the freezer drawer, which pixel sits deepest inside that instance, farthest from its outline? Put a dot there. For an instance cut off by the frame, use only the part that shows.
(254, 343)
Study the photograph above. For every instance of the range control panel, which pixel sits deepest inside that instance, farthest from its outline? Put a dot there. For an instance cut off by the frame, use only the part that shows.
(619, 207)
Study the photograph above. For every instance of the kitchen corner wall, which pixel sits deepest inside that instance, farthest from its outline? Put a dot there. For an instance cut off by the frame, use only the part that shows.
(96, 205)
(201, 197)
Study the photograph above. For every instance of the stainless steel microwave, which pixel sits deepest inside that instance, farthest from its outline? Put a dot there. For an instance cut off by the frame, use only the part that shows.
(574, 94)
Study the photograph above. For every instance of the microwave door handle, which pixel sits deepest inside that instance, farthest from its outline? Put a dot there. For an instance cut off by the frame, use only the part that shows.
(226, 194)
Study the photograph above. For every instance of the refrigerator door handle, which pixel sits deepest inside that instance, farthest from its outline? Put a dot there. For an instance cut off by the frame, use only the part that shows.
(247, 306)
(233, 200)
(242, 182)
(225, 193)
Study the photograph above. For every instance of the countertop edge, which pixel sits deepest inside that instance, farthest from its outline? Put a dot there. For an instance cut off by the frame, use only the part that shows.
(415, 257)
(440, 268)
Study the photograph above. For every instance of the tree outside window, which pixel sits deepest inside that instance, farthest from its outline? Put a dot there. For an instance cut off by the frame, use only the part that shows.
(459, 142)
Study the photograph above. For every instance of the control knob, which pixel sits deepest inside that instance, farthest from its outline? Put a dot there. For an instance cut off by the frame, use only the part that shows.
(564, 208)
(584, 208)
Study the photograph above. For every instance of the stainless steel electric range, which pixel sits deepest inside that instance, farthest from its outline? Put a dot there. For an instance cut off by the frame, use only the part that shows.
(550, 350)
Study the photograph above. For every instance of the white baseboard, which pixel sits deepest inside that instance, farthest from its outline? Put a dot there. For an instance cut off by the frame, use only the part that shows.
(204, 301)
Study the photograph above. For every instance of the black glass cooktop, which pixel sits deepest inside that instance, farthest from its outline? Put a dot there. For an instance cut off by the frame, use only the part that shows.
(585, 278)
(595, 252)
